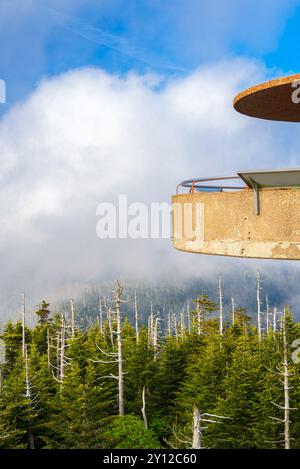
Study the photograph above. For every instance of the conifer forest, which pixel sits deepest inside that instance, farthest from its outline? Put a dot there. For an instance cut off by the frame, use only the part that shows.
(204, 377)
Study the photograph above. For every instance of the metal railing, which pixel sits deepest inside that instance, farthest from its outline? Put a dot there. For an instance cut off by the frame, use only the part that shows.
(196, 185)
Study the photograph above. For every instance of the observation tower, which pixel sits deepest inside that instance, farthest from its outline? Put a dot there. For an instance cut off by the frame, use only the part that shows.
(253, 213)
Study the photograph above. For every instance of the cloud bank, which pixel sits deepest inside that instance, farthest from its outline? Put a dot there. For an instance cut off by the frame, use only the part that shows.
(86, 136)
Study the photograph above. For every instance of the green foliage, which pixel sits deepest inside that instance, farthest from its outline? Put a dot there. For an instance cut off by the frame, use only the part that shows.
(12, 338)
(129, 432)
(67, 397)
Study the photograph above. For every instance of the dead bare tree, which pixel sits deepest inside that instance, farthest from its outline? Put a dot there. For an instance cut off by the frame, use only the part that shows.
(153, 321)
(27, 384)
(136, 318)
(199, 314)
(267, 315)
(109, 322)
(144, 407)
(48, 348)
(196, 444)
(169, 328)
(155, 336)
(274, 321)
(151, 326)
(182, 325)
(117, 302)
(1, 378)
(62, 348)
(57, 367)
(232, 311)
(116, 357)
(198, 428)
(285, 373)
(258, 288)
(188, 313)
(100, 316)
(286, 376)
(175, 324)
(23, 324)
(62, 361)
(73, 319)
(220, 305)
(28, 395)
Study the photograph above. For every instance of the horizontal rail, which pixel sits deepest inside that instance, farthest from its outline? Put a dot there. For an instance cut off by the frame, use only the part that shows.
(197, 183)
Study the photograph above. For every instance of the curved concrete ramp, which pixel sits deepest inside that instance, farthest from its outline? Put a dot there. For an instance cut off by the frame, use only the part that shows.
(225, 223)
(277, 100)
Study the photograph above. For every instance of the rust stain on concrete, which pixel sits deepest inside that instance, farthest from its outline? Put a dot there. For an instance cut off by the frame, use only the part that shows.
(291, 251)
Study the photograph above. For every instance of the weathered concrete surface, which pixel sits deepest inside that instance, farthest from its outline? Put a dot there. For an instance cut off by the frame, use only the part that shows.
(225, 223)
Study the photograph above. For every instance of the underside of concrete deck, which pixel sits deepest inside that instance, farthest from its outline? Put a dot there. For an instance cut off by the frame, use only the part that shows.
(225, 223)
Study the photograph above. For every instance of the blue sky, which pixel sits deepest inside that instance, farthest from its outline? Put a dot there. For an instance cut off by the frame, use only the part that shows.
(171, 37)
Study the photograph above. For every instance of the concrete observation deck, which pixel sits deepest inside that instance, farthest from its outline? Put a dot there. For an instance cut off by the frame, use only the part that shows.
(258, 216)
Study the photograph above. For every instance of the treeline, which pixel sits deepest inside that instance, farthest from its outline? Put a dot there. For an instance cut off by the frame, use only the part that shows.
(173, 294)
(200, 382)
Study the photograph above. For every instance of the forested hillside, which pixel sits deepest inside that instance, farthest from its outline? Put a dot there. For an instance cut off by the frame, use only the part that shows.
(174, 294)
(198, 380)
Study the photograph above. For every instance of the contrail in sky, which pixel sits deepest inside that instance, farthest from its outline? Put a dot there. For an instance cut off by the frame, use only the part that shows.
(112, 41)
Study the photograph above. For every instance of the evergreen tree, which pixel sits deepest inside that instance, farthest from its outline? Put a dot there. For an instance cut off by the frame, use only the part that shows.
(43, 312)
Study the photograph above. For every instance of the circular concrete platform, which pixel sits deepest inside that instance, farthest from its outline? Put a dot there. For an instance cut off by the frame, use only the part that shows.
(226, 223)
(277, 100)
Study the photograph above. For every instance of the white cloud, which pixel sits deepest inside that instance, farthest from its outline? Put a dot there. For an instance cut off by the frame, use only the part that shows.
(86, 136)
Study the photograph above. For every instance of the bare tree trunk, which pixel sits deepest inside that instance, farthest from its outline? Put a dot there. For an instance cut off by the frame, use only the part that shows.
(150, 328)
(155, 336)
(188, 316)
(199, 318)
(28, 395)
(274, 321)
(23, 324)
(31, 438)
(58, 356)
(182, 324)
(72, 319)
(196, 429)
(286, 376)
(136, 318)
(287, 438)
(116, 357)
(232, 311)
(1, 379)
(267, 315)
(258, 306)
(144, 408)
(111, 332)
(120, 355)
(220, 305)
(62, 348)
(100, 316)
(48, 349)
(175, 326)
(169, 324)
(27, 383)
(110, 326)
